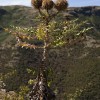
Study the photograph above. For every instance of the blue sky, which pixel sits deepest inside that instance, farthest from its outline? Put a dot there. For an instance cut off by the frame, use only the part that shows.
(71, 2)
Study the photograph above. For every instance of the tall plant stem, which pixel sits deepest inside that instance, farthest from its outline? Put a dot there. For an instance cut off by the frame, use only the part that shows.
(41, 90)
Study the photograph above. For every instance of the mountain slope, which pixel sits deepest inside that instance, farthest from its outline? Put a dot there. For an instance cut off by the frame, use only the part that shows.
(76, 69)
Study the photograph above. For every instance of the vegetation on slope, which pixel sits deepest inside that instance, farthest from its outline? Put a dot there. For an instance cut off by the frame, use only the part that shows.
(76, 70)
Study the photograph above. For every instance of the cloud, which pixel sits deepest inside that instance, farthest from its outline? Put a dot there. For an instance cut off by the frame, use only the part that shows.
(15, 2)
(71, 2)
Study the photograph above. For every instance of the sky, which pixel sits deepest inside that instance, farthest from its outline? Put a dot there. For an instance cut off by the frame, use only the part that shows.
(72, 3)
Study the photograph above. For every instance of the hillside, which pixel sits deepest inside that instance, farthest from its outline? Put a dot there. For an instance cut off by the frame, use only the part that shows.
(76, 70)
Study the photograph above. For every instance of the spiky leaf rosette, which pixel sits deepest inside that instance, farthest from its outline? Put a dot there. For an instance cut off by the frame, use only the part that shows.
(61, 5)
(36, 3)
(47, 4)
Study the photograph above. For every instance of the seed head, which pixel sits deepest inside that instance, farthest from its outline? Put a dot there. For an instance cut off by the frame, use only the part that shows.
(47, 4)
(61, 5)
(36, 3)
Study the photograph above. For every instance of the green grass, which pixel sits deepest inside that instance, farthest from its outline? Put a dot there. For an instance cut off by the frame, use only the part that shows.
(3, 36)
